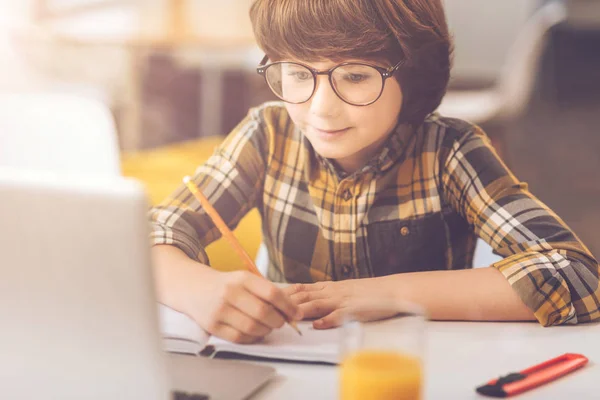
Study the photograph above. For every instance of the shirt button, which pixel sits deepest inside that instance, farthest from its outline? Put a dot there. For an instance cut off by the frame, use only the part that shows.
(405, 231)
(346, 271)
(347, 194)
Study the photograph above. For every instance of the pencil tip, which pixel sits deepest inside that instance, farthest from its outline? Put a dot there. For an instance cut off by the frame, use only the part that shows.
(295, 327)
(186, 179)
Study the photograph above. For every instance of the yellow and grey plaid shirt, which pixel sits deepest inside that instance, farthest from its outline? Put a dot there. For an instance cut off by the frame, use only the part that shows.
(418, 205)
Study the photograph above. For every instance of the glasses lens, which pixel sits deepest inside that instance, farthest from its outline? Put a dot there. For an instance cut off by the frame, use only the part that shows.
(290, 82)
(357, 84)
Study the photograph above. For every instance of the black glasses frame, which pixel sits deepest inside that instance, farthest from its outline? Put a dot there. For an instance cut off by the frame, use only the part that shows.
(385, 74)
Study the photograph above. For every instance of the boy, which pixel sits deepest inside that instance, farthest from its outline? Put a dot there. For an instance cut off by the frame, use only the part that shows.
(363, 190)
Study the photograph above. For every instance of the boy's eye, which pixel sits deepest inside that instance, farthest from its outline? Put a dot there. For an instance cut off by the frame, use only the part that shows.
(356, 78)
(300, 75)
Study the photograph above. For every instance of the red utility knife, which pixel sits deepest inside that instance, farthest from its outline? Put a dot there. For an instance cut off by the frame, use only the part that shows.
(518, 382)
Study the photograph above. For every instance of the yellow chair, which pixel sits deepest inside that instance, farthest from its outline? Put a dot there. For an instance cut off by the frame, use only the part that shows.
(161, 171)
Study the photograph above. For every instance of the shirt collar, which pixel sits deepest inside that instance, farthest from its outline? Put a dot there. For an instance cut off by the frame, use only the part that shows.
(391, 152)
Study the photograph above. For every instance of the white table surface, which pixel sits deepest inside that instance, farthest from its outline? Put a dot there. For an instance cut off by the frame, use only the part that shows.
(463, 355)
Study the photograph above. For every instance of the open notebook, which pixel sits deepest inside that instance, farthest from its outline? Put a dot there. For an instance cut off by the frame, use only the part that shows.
(181, 334)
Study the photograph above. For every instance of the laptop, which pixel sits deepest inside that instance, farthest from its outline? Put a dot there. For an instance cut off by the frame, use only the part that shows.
(77, 303)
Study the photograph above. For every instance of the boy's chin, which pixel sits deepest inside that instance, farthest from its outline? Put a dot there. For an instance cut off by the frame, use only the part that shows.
(333, 154)
(329, 150)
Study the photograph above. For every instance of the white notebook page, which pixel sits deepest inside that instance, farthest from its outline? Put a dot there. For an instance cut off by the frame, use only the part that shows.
(285, 343)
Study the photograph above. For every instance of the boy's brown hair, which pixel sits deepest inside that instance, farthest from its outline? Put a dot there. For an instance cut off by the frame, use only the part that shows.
(411, 31)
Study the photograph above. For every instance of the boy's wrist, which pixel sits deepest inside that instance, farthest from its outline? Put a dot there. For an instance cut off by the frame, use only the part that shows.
(395, 288)
(179, 278)
(385, 288)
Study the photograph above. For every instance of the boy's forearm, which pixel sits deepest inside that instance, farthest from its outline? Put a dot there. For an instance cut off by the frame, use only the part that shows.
(480, 294)
(175, 274)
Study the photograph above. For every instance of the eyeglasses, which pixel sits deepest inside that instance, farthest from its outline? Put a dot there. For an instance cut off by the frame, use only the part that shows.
(357, 84)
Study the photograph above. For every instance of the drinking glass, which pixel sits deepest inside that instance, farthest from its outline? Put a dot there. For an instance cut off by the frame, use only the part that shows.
(382, 359)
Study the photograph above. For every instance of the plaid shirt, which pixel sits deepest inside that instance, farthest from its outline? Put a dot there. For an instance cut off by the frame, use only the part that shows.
(418, 205)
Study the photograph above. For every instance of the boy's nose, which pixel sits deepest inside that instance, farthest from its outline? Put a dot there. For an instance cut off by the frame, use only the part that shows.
(324, 102)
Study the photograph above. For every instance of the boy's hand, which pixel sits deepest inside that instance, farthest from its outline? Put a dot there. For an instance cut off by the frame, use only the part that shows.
(242, 307)
(330, 301)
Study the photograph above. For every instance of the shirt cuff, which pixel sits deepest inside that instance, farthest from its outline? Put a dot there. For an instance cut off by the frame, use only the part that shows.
(163, 236)
(535, 279)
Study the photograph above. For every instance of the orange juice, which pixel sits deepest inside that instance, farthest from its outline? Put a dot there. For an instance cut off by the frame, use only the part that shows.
(380, 375)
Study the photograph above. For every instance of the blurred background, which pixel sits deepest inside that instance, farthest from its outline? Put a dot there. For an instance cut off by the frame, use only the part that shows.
(174, 76)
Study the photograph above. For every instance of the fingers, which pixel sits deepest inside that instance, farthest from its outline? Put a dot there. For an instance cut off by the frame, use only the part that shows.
(243, 307)
(317, 308)
(294, 289)
(232, 334)
(271, 294)
(301, 293)
(244, 323)
(256, 308)
(301, 297)
(333, 320)
(297, 288)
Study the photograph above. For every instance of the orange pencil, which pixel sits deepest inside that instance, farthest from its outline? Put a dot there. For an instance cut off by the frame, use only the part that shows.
(227, 234)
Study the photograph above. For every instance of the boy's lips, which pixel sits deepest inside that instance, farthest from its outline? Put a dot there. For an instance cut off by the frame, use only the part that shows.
(329, 132)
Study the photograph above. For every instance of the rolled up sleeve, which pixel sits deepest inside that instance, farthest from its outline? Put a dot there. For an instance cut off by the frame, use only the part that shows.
(551, 270)
(231, 179)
